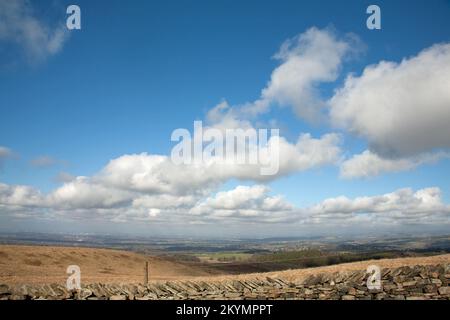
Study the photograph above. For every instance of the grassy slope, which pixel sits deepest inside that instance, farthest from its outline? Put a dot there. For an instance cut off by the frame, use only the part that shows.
(45, 264)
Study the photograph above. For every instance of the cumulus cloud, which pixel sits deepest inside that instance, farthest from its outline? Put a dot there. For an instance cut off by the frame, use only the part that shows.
(80, 199)
(144, 184)
(369, 164)
(22, 196)
(424, 206)
(252, 202)
(157, 174)
(306, 61)
(19, 25)
(401, 109)
(403, 127)
(309, 152)
(243, 204)
(86, 193)
(312, 58)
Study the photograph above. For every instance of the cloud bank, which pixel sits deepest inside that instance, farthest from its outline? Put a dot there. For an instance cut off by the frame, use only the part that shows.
(369, 164)
(243, 204)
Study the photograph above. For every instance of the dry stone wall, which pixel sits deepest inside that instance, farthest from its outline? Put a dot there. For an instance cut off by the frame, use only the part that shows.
(405, 283)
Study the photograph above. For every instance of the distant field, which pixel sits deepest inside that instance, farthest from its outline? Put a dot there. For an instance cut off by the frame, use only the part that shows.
(239, 263)
(223, 257)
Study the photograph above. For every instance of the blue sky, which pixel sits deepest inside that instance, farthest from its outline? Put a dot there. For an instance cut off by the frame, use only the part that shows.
(137, 71)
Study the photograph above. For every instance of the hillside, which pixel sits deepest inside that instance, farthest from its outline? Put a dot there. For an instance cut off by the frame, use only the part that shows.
(47, 264)
(298, 274)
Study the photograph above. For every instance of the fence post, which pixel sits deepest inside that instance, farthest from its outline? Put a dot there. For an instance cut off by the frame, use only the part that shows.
(146, 273)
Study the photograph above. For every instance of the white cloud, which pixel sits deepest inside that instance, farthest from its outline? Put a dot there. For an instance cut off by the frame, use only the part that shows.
(424, 206)
(19, 25)
(140, 185)
(20, 196)
(369, 164)
(157, 174)
(164, 201)
(223, 116)
(245, 197)
(307, 60)
(151, 187)
(244, 202)
(85, 193)
(402, 109)
(309, 152)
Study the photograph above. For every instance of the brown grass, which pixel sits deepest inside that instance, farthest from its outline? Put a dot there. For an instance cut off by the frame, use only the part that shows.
(297, 274)
(45, 264)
